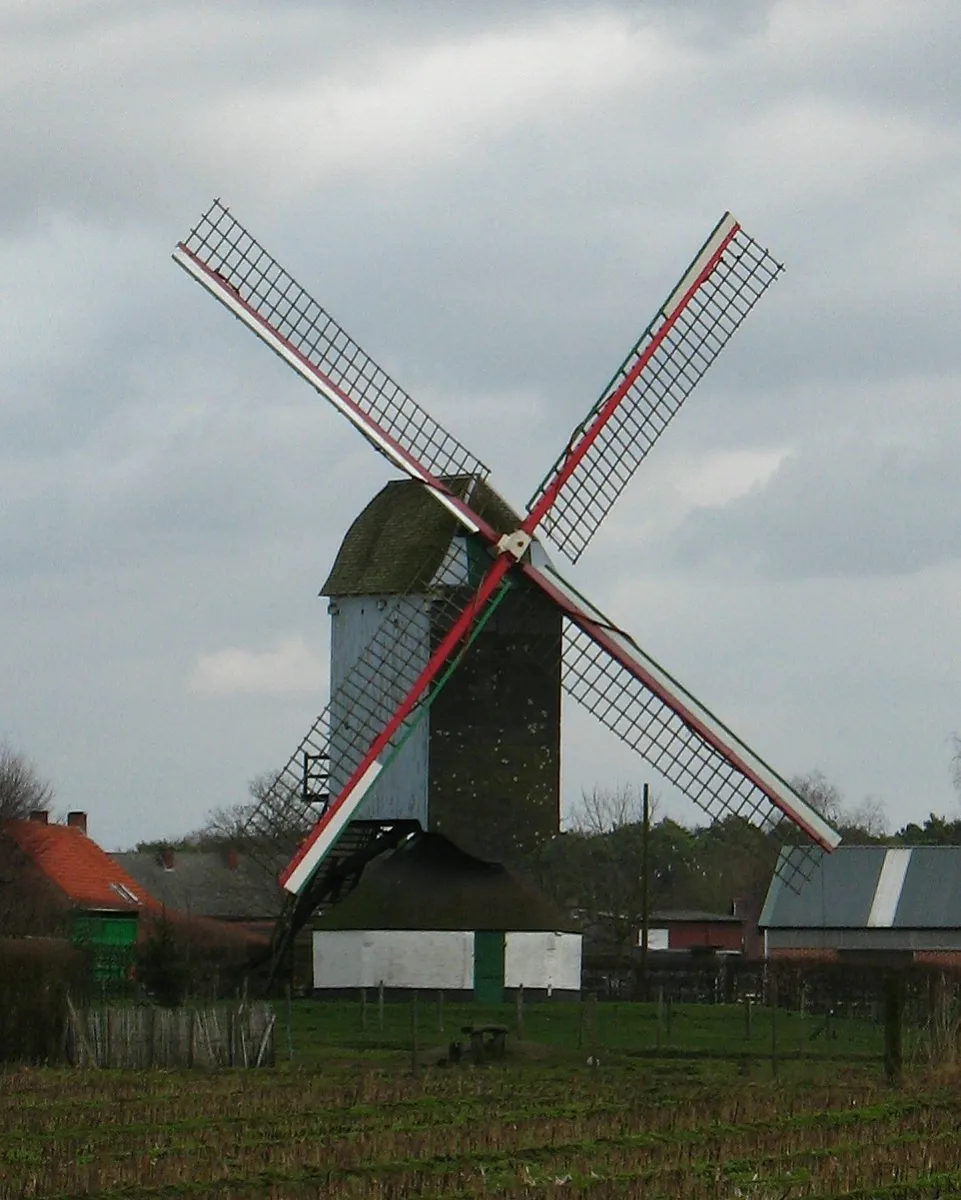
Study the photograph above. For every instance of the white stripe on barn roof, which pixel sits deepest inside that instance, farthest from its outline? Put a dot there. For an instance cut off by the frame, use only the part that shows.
(888, 892)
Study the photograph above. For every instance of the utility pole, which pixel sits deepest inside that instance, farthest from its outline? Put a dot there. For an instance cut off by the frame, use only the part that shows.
(646, 830)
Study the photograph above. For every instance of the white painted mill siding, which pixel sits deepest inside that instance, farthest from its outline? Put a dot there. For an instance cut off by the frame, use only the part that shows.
(354, 621)
(441, 959)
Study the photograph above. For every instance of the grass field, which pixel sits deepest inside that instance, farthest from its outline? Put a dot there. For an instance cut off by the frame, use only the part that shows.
(348, 1116)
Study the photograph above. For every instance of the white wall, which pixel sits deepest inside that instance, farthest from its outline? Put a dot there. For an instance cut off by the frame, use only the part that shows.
(346, 958)
(543, 960)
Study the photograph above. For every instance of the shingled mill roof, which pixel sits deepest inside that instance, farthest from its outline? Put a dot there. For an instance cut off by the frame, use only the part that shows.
(429, 883)
(398, 542)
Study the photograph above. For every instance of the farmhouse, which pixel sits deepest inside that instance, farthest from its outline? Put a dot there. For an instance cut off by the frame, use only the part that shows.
(431, 916)
(866, 901)
(78, 886)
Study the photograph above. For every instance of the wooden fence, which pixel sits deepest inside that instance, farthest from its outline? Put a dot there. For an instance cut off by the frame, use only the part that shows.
(142, 1036)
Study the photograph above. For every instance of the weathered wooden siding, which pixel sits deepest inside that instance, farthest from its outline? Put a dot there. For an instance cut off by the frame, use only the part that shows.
(495, 735)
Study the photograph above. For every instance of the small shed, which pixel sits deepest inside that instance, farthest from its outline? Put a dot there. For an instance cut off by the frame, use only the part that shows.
(431, 916)
(903, 901)
(692, 931)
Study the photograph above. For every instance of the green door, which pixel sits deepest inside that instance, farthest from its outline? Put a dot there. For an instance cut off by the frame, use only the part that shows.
(489, 968)
(111, 939)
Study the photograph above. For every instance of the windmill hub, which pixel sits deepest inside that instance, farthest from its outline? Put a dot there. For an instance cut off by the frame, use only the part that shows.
(516, 543)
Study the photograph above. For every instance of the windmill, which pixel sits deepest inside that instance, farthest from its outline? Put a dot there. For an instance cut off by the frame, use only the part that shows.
(316, 801)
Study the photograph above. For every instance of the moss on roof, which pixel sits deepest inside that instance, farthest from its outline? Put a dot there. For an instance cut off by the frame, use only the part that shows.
(429, 883)
(398, 542)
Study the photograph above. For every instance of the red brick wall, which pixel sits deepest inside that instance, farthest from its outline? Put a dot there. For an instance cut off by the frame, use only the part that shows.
(712, 935)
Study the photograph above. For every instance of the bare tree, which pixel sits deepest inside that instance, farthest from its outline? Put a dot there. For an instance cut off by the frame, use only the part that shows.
(867, 819)
(22, 789)
(600, 811)
(822, 795)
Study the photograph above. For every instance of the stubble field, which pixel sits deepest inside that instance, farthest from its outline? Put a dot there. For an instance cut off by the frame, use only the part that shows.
(700, 1115)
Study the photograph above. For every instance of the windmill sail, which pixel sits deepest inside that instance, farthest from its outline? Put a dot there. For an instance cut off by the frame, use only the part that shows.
(726, 279)
(222, 256)
(606, 672)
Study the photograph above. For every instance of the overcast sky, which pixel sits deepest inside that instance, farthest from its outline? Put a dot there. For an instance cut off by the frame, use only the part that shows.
(493, 198)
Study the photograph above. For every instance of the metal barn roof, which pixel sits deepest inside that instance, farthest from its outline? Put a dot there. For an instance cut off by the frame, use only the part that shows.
(398, 542)
(870, 887)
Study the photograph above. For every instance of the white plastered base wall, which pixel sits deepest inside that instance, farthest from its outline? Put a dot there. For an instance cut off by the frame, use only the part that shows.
(347, 958)
(543, 961)
(441, 959)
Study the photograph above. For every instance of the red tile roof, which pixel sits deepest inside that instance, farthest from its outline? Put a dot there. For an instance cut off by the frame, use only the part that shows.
(87, 875)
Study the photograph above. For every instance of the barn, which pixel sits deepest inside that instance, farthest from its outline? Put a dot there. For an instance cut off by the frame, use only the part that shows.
(431, 916)
(868, 901)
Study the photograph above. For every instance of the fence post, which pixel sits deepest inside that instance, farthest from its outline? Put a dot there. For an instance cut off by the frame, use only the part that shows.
(773, 1001)
(520, 1011)
(363, 1008)
(440, 1009)
(413, 1033)
(893, 1011)
(660, 1013)
(667, 1011)
(747, 1017)
(380, 1007)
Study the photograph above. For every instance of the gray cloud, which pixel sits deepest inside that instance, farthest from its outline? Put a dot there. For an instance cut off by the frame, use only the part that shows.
(493, 199)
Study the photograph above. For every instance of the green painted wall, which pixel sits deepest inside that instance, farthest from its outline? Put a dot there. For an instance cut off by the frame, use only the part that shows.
(112, 940)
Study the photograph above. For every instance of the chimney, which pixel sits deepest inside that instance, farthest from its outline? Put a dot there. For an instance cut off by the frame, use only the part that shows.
(231, 858)
(167, 858)
(77, 820)
(40, 815)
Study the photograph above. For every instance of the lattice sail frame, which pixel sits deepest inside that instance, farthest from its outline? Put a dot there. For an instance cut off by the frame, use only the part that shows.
(270, 302)
(219, 250)
(726, 279)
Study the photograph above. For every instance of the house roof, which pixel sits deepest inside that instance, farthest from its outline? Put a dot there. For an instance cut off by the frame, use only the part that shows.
(869, 887)
(398, 542)
(85, 873)
(694, 916)
(429, 883)
(204, 883)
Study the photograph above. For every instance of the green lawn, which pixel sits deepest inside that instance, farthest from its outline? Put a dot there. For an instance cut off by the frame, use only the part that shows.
(319, 1029)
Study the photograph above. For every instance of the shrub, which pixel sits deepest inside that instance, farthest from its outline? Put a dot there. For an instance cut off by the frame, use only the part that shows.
(36, 977)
